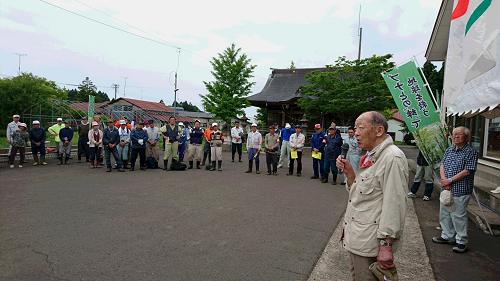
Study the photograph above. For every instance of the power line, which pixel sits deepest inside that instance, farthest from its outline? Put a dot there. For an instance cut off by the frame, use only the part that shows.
(122, 30)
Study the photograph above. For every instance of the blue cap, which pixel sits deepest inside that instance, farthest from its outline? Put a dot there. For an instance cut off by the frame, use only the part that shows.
(237, 121)
(186, 123)
(275, 124)
(298, 126)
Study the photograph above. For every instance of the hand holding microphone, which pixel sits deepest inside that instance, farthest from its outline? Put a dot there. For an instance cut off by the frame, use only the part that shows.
(343, 153)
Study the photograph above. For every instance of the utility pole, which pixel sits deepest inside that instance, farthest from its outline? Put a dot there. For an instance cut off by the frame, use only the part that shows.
(125, 85)
(360, 33)
(175, 83)
(20, 55)
(116, 88)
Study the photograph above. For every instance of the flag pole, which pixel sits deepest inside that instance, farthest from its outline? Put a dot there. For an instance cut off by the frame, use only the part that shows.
(438, 109)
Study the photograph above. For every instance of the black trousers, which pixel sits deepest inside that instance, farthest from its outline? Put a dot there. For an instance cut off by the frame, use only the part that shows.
(272, 159)
(236, 147)
(95, 153)
(299, 163)
(142, 157)
(83, 147)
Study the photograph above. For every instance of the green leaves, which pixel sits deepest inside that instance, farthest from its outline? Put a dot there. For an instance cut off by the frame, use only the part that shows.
(227, 95)
(348, 89)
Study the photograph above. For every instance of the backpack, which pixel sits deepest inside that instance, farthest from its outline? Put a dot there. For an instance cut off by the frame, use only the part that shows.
(178, 166)
(152, 164)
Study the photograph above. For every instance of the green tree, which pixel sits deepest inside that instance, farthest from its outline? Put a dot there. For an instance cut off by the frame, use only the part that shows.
(292, 65)
(187, 106)
(348, 89)
(21, 92)
(72, 95)
(86, 89)
(261, 116)
(227, 95)
(102, 96)
(434, 77)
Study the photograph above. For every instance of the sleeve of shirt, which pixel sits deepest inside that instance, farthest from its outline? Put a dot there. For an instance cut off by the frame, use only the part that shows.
(471, 161)
(72, 133)
(51, 131)
(60, 134)
(301, 140)
(9, 133)
(291, 143)
(393, 182)
(44, 135)
(31, 136)
(321, 143)
(233, 133)
(275, 145)
(312, 141)
(105, 137)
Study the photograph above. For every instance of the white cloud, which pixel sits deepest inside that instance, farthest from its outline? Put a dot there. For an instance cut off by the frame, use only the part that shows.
(256, 44)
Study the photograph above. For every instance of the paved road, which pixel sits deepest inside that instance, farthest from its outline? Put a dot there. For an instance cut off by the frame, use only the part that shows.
(480, 262)
(73, 223)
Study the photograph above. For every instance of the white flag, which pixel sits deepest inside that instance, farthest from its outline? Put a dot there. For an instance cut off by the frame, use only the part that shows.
(472, 74)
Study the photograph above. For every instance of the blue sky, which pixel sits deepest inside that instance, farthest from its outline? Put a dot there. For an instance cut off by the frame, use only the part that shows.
(66, 48)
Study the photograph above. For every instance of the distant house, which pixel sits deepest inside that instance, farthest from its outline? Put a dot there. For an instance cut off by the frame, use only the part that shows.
(395, 125)
(141, 110)
(204, 117)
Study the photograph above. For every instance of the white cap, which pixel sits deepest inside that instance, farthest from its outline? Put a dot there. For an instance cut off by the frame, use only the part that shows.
(181, 124)
(447, 200)
(36, 122)
(288, 126)
(59, 119)
(123, 122)
(215, 124)
(23, 125)
(16, 116)
(254, 125)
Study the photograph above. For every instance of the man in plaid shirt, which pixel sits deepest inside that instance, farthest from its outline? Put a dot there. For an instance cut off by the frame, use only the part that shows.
(457, 174)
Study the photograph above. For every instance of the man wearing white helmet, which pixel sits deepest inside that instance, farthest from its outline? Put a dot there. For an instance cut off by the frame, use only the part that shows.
(254, 144)
(216, 141)
(11, 128)
(37, 139)
(123, 145)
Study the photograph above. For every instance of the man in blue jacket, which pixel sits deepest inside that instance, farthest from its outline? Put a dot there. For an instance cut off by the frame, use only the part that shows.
(332, 150)
(110, 140)
(285, 145)
(317, 145)
(66, 136)
(139, 138)
(37, 138)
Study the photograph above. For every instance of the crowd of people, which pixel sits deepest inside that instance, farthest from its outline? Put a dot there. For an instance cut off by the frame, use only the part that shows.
(377, 182)
(126, 140)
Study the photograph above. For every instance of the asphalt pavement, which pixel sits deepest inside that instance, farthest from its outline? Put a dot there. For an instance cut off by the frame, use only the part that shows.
(72, 223)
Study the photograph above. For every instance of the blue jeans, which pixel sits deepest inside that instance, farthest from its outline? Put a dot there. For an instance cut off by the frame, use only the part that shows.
(236, 147)
(454, 224)
(114, 151)
(331, 165)
(251, 153)
(38, 149)
(321, 166)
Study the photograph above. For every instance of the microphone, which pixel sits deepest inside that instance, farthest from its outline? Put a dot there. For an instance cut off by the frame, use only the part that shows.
(343, 153)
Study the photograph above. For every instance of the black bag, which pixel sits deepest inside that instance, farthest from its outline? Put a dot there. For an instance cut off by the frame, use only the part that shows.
(178, 166)
(152, 164)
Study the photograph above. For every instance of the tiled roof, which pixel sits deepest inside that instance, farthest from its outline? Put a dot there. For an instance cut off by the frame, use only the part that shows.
(283, 85)
(84, 106)
(147, 105)
(196, 114)
(398, 117)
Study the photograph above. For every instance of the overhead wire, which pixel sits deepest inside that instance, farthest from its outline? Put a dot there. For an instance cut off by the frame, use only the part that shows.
(165, 43)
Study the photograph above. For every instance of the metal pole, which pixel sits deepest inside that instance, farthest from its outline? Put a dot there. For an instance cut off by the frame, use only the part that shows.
(125, 85)
(438, 109)
(175, 93)
(360, 33)
(20, 55)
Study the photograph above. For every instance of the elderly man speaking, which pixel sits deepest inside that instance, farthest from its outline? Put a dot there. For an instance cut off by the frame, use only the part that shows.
(375, 215)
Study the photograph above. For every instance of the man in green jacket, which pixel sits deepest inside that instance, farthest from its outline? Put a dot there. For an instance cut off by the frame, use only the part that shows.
(54, 130)
(272, 143)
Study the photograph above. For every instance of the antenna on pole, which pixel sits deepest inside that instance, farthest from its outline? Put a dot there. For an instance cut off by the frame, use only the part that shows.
(116, 88)
(360, 33)
(175, 83)
(125, 85)
(20, 55)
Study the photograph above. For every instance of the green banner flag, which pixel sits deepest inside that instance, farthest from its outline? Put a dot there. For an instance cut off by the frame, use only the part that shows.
(411, 96)
(91, 106)
(415, 103)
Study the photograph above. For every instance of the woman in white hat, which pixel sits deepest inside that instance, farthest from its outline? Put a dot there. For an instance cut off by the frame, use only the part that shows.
(19, 140)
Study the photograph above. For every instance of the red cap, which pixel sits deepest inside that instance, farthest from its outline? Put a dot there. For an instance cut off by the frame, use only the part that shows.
(317, 126)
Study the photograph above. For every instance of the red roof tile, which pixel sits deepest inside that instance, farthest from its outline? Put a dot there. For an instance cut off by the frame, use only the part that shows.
(398, 117)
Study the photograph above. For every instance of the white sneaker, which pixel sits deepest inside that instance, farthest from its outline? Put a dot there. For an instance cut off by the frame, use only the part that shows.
(411, 195)
(426, 198)
(20, 166)
(11, 166)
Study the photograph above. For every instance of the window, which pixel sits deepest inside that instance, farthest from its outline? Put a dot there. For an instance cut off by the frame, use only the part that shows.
(127, 108)
(492, 138)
